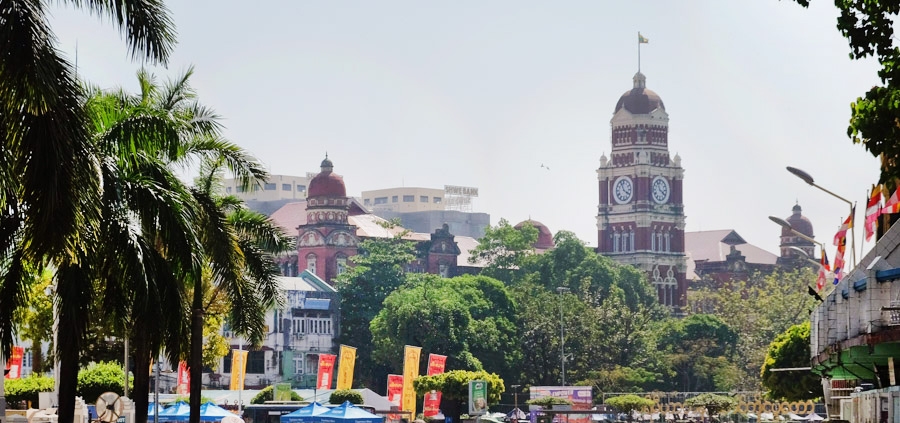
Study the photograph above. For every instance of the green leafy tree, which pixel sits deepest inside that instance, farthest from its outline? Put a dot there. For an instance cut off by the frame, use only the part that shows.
(49, 186)
(698, 348)
(790, 350)
(714, 404)
(630, 403)
(378, 269)
(341, 395)
(98, 378)
(37, 319)
(470, 319)
(547, 403)
(868, 27)
(268, 394)
(757, 310)
(505, 249)
(25, 390)
(454, 387)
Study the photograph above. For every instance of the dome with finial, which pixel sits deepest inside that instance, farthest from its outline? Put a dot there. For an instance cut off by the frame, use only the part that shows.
(326, 183)
(639, 100)
(799, 223)
(545, 237)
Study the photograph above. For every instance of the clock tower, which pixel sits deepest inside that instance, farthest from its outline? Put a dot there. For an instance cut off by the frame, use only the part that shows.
(640, 217)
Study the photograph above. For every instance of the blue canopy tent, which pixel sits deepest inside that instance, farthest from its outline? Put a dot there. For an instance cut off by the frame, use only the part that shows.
(151, 409)
(168, 415)
(348, 413)
(306, 414)
(209, 412)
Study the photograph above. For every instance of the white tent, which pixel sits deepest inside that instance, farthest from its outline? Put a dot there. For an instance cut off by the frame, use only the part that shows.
(795, 417)
(814, 417)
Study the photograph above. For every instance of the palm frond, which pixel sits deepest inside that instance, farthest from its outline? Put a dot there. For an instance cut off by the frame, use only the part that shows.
(146, 24)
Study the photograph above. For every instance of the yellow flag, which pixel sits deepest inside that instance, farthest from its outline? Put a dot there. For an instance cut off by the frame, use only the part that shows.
(238, 370)
(345, 367)
(410, 372)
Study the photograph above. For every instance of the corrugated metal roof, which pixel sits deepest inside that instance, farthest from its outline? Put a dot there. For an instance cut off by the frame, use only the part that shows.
(711, 246)
(316, 304)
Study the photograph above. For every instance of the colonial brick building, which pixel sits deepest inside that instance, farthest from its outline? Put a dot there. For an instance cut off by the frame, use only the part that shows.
(640, 217)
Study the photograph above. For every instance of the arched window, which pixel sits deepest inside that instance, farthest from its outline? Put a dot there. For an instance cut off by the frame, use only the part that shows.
(311, 263)
(341, 263)
(653, 240)
(617, 238)
(668, 242)
(631, 239)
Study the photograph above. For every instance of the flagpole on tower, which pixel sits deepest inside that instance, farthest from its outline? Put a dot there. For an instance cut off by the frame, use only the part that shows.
(641, 40)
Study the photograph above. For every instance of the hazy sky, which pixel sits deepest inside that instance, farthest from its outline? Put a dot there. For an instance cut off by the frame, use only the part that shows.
(481, 93)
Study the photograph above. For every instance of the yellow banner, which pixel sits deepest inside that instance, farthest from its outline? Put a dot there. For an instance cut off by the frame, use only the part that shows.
(345, 367)
(238, 369)
(410, 372)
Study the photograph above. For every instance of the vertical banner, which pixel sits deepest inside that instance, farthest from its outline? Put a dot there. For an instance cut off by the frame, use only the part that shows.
(14, 364)
(345, 367)
(431, 404)
(395, 389)
(184, 378)
(326, 371)
(410, 372)
(238, 369)
(893, 378)
(477, 397)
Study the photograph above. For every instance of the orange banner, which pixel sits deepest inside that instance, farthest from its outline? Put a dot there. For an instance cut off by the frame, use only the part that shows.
(184, 379)
(431, 404)
(238, 369)
(345, 368)
(410, 372)
(14, 364)
(326, 370)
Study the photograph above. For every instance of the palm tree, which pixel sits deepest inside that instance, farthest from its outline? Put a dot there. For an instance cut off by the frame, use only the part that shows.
(49, 183)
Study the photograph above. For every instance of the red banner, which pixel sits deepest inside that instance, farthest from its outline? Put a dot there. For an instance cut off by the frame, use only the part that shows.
(431, 404)
(14, 364)
(184, 379)
(326, 370)
(395, 389)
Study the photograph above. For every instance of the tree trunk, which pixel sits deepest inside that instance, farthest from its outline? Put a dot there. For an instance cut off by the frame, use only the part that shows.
(196, 363)
(451, 408)
(68, 381)
(141, 391)
(37, 356)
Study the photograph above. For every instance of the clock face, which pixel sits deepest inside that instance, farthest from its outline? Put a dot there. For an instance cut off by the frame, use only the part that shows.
(660, 190)
(623, 189)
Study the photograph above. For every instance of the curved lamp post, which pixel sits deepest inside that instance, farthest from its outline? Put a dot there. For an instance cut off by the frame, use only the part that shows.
(806, 177)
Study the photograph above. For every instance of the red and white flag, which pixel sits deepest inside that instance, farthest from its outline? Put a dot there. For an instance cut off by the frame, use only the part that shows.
(824, 268)
(873, 210)
(892, 205)
(184, 379)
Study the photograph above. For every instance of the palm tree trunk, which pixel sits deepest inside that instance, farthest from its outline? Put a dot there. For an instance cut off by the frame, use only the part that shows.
(68, 382)
(196, 363)
(141, 391)
(37, 356)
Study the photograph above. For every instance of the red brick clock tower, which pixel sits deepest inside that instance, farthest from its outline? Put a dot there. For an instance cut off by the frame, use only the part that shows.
(640, 219)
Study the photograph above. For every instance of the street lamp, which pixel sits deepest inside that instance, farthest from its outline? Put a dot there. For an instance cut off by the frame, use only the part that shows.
(562, 337)
(806, 177)
(516, 402)
(784, 224)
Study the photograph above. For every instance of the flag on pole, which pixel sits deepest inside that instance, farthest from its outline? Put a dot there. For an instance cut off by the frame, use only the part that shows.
(892, 205)
(823, 272)
(642, 39)
(873, 210)
(839, 261)
(841, 236)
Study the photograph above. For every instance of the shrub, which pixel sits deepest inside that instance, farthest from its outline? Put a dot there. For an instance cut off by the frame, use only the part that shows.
(268, 394)
(548, 402)
(101, 377)
(27, 389)
(341, 395)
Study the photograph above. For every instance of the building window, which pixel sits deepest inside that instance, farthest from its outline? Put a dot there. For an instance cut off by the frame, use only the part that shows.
(436, 200)
(380, 200)
(270, 187)
(256, 362)
(631, 239)
(301, 187)
(311, 263)
(255, 188)
(341, 265)
(366, 202)
(423, 198)
(653, 241)
(228, 190)
(239, 189)
(444, 270)
(616, 239)
(409, 198)
(668, 242)
(285, 187)
(394, 199)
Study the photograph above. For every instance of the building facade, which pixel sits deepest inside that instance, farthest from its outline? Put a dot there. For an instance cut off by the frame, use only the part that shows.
(276, 187)
(640, 217)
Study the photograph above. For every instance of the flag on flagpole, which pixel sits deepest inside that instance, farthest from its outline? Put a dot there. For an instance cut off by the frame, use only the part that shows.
(824, 268)
(873, 210)
(892, 205)
(841, 236)
(839, 261)
(642, 39)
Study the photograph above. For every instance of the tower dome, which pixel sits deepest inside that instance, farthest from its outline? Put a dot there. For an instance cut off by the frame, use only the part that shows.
(545, 238)
(799, 223)
(326, 183)
(639, 100)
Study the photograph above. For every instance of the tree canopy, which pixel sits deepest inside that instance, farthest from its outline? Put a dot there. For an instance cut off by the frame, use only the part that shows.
(790, 349)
